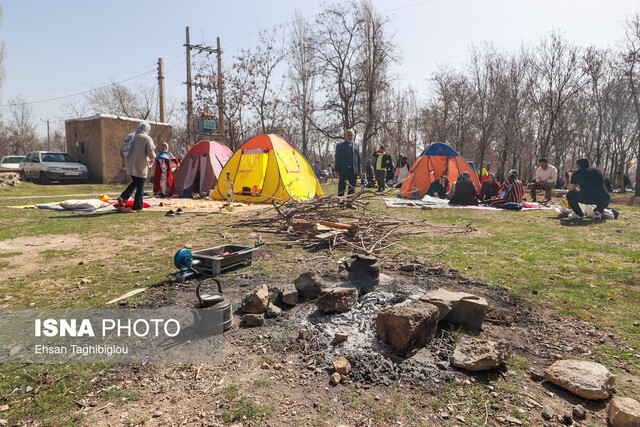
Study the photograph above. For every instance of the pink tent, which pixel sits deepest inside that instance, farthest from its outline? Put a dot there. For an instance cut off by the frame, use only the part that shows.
(201, 167)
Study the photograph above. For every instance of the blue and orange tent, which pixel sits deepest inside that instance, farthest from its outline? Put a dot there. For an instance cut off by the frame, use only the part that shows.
(436, 160)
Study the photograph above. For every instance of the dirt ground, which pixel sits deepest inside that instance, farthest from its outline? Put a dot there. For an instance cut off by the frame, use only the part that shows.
(271, 367)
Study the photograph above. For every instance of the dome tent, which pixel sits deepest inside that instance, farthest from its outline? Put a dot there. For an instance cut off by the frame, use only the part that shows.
(436, 160)
(267, 168)
(203, 163)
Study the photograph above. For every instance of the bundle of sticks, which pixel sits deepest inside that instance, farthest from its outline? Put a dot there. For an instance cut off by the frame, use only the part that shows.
(327, 222)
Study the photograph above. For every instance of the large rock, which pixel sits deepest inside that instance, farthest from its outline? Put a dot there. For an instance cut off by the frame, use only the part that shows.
(341, 365)
(624, 412)
(474, 354)
(254, 319)
(460, 308)
(256, 301)
(309, 285)
(407, 328)
(289, 295)
(337, 300)
(589, 380)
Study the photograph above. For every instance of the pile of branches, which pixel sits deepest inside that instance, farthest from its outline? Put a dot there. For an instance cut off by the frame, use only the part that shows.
(346, 222)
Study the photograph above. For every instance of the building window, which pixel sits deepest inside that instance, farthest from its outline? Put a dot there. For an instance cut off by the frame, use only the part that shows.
(81, 148)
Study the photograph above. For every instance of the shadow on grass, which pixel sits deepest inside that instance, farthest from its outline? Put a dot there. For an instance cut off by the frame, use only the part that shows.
(84, 215)
(584, 222)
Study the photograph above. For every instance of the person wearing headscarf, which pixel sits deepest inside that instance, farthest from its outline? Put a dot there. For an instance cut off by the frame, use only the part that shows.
(402, 170)
(464, 192)
(163, 176)
(511, 190)
(438, 187)
(137, 159)
(489, 188)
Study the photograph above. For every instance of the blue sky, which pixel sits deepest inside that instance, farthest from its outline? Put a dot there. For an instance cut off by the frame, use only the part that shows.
(59, 48)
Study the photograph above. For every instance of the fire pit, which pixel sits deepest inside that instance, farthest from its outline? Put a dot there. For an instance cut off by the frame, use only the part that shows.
(373, 361)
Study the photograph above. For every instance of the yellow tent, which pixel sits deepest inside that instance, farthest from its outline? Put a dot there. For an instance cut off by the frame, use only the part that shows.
(267, 168)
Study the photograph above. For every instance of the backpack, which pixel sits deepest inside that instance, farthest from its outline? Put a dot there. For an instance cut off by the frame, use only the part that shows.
(126, 146)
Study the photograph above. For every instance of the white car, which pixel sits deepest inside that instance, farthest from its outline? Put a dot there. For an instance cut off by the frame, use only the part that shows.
(11, 163)
(47, 166)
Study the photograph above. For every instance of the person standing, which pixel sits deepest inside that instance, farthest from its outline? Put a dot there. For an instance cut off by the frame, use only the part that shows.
(316, 168)
(592, 190)
(546, 176)
(137, 164)
(163, 176)
(402, 170)
(383, 162)
(369, 175)
(348, 164)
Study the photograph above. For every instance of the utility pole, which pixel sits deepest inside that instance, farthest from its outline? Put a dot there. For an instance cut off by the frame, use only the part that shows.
(48, 135)
(220, 99)
(220, 122)
(189, 99)
(163, 114)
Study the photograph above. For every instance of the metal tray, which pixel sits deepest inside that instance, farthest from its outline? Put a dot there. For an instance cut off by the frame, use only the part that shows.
(211, 261)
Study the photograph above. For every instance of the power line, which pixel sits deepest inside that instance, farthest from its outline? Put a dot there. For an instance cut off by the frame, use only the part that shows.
(79, 93)
(96, 80)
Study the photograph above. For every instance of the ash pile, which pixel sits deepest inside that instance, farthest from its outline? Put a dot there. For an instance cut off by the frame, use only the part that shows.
(375, 330)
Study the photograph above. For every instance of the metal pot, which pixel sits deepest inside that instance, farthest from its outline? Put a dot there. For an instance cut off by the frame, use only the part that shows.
(364, 271)
(212, 311)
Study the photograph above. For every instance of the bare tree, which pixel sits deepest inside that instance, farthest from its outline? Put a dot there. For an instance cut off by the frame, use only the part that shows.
(377, 53)
(237, 82)
(631, 57)
(119, 100)
(513, 96)
(559, 77)
(484, 72)
(302, 76)
(337, 48)
(2, 70)
(20, 130)
(264, 95)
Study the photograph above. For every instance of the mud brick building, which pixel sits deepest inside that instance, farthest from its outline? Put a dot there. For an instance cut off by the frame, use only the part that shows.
(95, 141)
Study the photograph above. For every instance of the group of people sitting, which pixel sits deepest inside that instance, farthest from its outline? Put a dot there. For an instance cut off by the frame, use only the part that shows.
(463, 191)
(587, 186)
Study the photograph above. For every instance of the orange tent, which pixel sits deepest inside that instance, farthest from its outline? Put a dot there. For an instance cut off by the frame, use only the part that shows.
(437, 160)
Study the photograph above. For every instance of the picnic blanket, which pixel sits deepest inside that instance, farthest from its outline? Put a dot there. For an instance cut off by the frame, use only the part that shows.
(429, 202)
(89, 205)
(199, 205)
(150, 204)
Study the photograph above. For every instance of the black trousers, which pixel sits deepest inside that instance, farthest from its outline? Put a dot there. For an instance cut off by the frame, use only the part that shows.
(345, 178)
(575, 197)
(138, 185)
(380, 177)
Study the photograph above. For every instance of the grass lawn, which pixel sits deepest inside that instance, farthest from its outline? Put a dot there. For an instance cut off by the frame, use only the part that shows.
(586, 269)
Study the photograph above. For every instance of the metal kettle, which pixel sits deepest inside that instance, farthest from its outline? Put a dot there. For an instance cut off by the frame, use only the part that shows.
(364, 271)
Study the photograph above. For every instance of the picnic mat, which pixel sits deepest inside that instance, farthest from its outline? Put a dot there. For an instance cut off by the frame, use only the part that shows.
(159, 204)
(437, 203)
(199, 205)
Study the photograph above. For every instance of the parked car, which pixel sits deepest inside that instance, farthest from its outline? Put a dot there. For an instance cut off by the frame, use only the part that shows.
(47, 166)
(11, 163)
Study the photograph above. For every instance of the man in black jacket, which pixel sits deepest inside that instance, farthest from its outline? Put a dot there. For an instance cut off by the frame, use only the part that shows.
(348, 164)
(592, 190)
